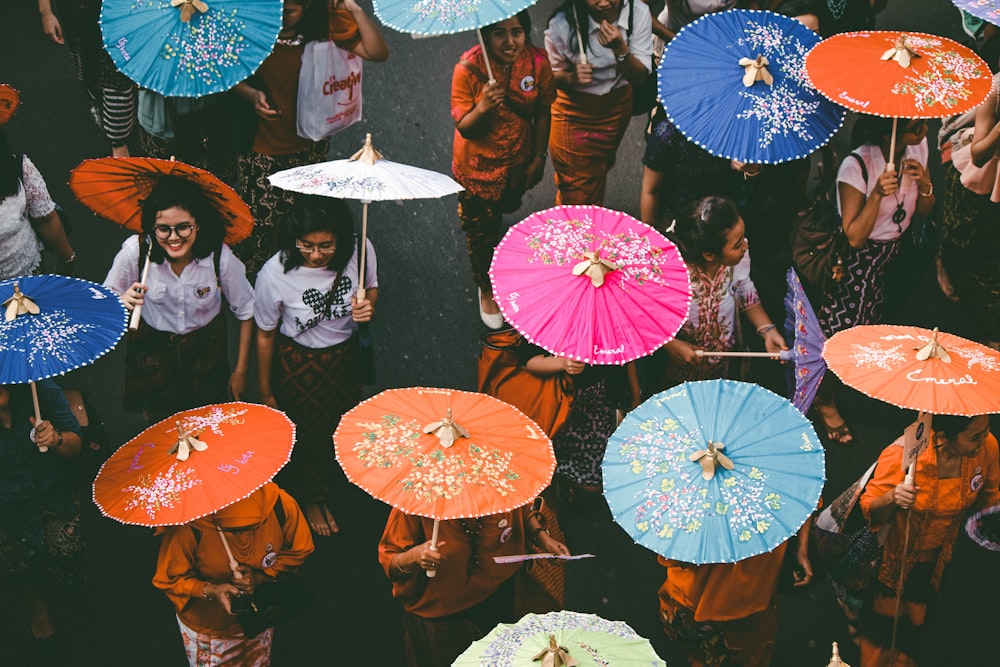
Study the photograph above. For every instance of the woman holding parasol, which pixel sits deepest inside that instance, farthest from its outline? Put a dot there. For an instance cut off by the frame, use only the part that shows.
(957, 473)
(599, 50)
(308, 308)
(177, 358)
(40, 540)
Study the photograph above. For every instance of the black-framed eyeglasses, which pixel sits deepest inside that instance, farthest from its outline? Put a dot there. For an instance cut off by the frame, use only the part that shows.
(183, 230)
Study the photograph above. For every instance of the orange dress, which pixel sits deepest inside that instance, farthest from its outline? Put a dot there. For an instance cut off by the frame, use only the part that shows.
(193, 555)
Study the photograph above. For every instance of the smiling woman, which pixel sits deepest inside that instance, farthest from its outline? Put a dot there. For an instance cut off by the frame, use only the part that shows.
(178, 358)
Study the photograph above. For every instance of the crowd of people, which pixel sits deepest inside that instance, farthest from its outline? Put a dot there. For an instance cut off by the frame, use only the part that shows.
(294, 289)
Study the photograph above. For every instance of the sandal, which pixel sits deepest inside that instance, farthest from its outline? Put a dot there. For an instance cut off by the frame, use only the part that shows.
(841, 434)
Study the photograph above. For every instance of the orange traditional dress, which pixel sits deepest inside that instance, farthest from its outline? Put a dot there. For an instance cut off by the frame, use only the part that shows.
(470, 593)
(492, 166)
(724, 613)
(938, 513)
(193, 555)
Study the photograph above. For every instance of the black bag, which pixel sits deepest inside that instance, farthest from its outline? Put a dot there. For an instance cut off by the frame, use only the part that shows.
(272, 603)
(643, 94)
(819, 244)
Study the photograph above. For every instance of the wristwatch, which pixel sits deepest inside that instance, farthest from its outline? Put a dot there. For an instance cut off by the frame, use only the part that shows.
(621, 58)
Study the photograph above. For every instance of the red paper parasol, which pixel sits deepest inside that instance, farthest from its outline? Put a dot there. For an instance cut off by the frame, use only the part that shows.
(146, 483)
(9, 101)
(114, 187)
(917, 369)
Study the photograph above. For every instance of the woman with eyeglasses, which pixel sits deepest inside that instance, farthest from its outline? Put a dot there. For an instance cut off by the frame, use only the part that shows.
(308, 350)
(178, 358)
(876, 206)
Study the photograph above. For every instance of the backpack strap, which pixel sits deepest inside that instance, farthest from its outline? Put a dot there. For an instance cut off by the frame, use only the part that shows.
(217, 264)
(864, 167)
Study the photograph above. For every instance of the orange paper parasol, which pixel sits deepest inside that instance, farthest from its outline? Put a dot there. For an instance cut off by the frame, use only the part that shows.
(193, 464)
(917, 369)
(9, 101)
(444, 453)
(114, 187)
(899, 74)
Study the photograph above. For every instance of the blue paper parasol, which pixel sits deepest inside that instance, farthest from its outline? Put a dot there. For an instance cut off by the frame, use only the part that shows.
(987, 10)
(76, 322)
(802, 328)
(701, 85)
(222, 43)
(443, 17)
(767, 478)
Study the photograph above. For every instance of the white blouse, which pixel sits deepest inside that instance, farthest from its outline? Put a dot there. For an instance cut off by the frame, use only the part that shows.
(20, 249)
(303, 303)
(850, 172)
(182, 304)
(564, 48)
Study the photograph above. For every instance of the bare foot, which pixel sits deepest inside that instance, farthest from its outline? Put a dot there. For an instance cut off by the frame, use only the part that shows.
(41, 620)
(321, 520)
(836, 428)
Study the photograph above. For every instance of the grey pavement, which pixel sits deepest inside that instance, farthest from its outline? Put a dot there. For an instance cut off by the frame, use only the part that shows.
(426, 333)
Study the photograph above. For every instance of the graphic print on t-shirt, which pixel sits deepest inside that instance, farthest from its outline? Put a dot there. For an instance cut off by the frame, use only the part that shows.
(326, 306)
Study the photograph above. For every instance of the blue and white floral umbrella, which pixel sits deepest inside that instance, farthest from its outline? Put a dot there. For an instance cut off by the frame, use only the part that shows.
(987, 10)
(54, 324)
(189, 48)
(713, 472)
(734, 83)
(443, 17)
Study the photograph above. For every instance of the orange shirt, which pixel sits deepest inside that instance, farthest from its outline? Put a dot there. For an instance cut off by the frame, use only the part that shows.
(724, 591)
(941, 505)
(193, 555)
(452, 590)
(483, 164)
(280, 76)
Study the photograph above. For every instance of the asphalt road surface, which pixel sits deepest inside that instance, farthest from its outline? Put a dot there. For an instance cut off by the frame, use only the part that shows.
(427, 333)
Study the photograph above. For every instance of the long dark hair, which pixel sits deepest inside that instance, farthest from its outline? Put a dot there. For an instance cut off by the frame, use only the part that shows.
(10, 169)
(703, 228)
(315, 22)
(171, 191)
(871, 129)
(522, 17)
(950, 425)
(319, 214)
(578, 16)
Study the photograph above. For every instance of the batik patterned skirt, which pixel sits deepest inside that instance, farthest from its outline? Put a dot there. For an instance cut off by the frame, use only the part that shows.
(860, 297)
(206, 651)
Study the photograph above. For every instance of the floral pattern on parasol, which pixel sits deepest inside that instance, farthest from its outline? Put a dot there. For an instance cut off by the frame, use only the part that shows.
(439, 17)
(670, 499)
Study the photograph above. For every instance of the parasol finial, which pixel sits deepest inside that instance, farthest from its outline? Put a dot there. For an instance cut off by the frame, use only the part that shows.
(555, 655)
(189, 7)
(756, 70)
(594, 267)
(901, 52)
(447, 430)
(19, 304)
(934, 349)
(367, 153)
(835, 660)
(185, 443)
(711, 458)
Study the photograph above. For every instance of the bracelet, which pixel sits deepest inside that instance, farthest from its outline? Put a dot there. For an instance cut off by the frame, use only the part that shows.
(72, 258)
(399, 566)
(929, 193)
(541, 156)
(622, 58)
(764, 329)
(59, 442)
(539, 530)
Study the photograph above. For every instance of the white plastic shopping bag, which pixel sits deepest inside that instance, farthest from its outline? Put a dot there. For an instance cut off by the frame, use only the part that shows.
(329, 91)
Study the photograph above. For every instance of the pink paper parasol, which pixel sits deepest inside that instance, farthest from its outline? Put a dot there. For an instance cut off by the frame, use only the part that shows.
(591, 284)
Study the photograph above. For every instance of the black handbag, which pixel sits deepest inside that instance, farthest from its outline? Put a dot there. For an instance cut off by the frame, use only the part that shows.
(272, 603)
(819, 244)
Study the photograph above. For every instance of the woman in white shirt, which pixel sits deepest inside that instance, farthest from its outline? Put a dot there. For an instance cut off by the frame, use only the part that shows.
(593, 104)
(876, 206)
(308, 351)
(178, 358)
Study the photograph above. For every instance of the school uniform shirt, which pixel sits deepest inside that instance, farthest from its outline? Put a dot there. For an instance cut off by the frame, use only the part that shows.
(564, 48)
(850, 172)
(185, 303)
(304, 303)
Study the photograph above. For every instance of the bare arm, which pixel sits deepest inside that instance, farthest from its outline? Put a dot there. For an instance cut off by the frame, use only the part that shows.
(372, 46)
(238, 379)
(51, 27)
(50, 229)
(265, 356)
(858, 213)
(986, 136)
(544, 364)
